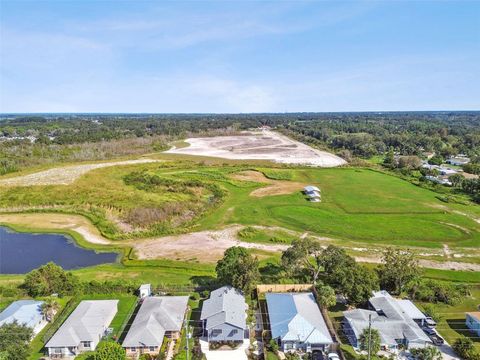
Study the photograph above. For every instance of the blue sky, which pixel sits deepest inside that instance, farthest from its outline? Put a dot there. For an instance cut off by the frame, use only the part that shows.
(227, 56)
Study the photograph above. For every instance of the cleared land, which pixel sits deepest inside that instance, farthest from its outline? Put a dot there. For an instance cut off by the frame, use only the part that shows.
(65, 175)
(265, 145)
(148, 206)
(274, 187)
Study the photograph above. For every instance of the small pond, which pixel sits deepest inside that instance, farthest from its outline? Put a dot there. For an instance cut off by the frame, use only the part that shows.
(22, 252)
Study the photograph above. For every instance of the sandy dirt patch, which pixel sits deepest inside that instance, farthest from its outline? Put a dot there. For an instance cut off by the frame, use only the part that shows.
(262, 145)
(205, 246)
(65, 175)
(275, 187)
(76, 223)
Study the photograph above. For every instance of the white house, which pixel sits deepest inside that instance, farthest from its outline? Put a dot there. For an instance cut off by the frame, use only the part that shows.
(26, 312)
(224, 315)
(296, 322)
(158, 317)
(394, 319)
(83, 329)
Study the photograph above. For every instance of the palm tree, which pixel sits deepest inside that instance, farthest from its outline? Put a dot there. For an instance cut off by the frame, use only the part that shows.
(49, 308)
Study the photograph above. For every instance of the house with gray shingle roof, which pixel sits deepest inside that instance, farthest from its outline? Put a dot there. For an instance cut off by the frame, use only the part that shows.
(158, 317)
(392, 318)
(224, 315)
(296, 322)
(25, 312)
(83, 329)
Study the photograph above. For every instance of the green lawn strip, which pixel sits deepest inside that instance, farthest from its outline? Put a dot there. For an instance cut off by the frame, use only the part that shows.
(267, 236)
(452, 323)
(193, 317)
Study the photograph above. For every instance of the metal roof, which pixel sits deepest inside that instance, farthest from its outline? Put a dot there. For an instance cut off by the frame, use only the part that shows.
(86, 323)
(157, 315)
(296, 317)
(389, 318)
(28, 312)
(225, 305)
(311, 188)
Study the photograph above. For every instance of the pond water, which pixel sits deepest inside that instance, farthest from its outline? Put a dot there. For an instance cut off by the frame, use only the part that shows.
(22, 252)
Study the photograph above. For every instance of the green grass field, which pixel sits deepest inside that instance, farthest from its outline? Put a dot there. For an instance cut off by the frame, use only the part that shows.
(360, 207)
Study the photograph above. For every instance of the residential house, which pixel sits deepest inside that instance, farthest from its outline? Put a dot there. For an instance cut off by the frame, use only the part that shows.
(83, 329)
(473, 322)
(395, 320)
(296, 322)
(158, 317)
(224, 315)
(26, 312)
(458, 160)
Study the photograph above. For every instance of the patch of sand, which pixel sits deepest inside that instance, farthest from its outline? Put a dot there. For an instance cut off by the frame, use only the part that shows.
(275, 187)
(264, 145)
(206, 246)
(65, 175)
(76, 223)
(441, 265)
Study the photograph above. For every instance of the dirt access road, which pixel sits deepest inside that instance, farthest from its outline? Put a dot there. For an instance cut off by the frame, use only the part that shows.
(261, 145)
(64, 175)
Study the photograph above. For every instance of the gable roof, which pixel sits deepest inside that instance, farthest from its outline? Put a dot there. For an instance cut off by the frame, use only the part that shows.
(157, 315)
(311, 188)
(26, 312)
(389, 318)
(225, 305)
(86, 323)
(296, 317)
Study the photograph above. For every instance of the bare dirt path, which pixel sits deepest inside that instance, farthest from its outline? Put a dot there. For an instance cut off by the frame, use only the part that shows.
(65, 175)
(260, 145)
(275, 187)
(76, 223)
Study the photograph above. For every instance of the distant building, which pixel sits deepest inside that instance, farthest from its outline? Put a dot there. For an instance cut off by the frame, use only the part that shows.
(296, 322)
(439, 180)
(224, 315)
(397, 322)
(26, 312)
(313, 193)
(473, 322)
(83, 329)
(458, 160)
(158, 317)
(145, 290)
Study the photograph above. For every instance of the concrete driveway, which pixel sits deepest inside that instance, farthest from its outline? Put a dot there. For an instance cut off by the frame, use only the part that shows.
(239, 353)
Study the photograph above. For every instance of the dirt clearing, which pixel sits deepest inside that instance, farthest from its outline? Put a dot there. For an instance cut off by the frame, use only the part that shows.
(264, 145)
(275, 187)
(64, 175)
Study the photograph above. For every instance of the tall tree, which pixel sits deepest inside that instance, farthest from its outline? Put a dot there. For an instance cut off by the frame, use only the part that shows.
(370, 339)
(48, 279)
(303, 257)
(399, 267)
(326, 296)
(238, 268)
(109, 350)
(362, 281)
(49, 308)
(14, 341)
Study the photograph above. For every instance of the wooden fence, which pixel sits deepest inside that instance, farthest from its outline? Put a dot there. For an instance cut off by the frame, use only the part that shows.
(283, 288)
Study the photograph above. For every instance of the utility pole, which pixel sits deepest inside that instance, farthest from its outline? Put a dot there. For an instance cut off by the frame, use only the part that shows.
(369, 335)
(186, 338)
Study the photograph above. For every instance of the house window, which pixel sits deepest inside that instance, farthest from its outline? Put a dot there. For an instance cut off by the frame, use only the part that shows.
(152, 348)
(57, 350)
(85, 344)
(133, 349)
(216, 332)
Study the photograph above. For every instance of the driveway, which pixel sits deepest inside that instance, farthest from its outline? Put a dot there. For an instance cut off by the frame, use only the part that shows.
(237, 354)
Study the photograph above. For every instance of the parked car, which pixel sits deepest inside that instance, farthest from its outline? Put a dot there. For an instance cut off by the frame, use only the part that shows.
(429, 322)
(437, 340)
(429, 332)
(317, 355)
